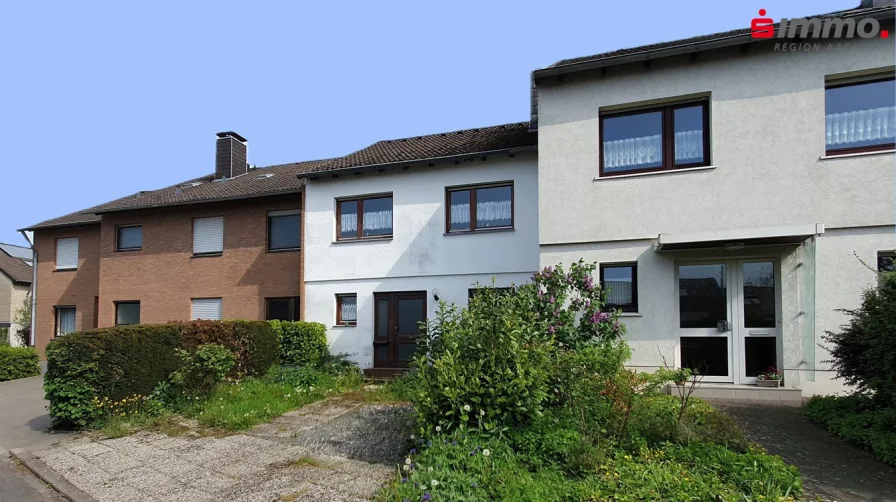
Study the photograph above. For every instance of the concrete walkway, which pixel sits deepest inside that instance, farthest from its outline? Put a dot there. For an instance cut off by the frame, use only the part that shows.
(832, 469)
(24, 420)
(334, 450)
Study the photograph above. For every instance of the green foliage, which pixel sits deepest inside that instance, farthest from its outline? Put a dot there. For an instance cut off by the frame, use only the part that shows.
(858, 419)
(22, 318)
(4, 337)
(301, 343)
(337, 364)
(18, 362)
(252, 342)
(864, 351)
(655, 420)
(202, 369)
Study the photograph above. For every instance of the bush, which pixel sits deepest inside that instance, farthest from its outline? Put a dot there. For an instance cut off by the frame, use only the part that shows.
(301, 343)
(858, 419)
(252, 342)
(122, 361)
(864, 351)
(202, 369)
(18, 362)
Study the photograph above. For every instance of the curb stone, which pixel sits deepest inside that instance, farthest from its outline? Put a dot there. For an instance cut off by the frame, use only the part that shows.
(49, 476)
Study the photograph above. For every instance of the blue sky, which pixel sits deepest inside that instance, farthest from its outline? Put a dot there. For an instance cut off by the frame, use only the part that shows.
(101, 99)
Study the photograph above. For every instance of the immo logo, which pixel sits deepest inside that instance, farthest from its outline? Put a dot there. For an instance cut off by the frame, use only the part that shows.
(814, 27)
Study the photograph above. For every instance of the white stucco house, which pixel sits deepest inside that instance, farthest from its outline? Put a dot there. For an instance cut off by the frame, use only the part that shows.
(15, 283)
(394, 228)
(730, 188)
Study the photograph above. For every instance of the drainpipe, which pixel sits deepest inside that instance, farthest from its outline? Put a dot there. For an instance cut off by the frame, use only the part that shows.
(33, 286)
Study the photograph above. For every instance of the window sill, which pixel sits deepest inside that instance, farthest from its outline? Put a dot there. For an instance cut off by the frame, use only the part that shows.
(631, 314)
(285, 250)
(654, 173)
(367, 239)
(345, 325)
(207, 255)
(128, 250)
(856, 154)
(71, 269)
(481, 231)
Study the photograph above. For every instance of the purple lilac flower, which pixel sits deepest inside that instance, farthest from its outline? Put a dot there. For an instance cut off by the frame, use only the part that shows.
(540, 294)
(552, 299)
(587, 302)
(426, 496)
(599, 317)
(551, 329)
(589, 283)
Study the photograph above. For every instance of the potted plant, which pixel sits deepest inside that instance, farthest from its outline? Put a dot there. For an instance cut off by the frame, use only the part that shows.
(770, 378)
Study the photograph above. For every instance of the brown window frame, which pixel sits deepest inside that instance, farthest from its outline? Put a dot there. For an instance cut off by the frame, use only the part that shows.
(668, 134)
(339, 321)
(295, 306)
(360, 201)
(473, 189)
(118, 248)
(857, 149)
(631, 307)
(127, 302)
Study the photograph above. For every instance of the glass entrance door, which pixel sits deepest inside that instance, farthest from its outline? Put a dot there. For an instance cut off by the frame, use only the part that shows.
(704, 313)
(397, 321)
(757, 312)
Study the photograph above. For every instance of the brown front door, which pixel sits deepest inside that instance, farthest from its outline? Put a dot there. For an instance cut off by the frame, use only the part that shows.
(396, 320)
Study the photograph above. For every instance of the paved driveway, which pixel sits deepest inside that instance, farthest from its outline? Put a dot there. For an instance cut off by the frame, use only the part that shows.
(24, 421)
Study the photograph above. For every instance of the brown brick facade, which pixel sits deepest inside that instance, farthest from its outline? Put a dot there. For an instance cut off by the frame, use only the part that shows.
(164, 275)
(69, 288)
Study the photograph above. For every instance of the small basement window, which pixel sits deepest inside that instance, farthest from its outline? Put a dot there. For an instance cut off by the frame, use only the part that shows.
(347, 310)
(620, 282)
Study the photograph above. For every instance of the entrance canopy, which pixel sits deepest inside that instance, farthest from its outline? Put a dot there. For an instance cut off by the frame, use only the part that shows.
(738, 239)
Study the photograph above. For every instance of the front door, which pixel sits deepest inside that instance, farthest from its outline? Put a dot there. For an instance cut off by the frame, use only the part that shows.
(727, 316)
(397, 318)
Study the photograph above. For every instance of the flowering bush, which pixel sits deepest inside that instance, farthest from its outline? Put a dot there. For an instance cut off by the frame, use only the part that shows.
(771, 373)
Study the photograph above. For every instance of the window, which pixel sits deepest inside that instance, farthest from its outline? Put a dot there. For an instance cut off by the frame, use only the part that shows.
(129, 238)
(208, 236)
(886, 261)
(482, 207)
(67, 253)
(65, 320)
(474, 291)
(364, 218)
(860, 117)
(346, 310)
(284, 230)
(620, 282)
(671, 137)
(205, 308)
(127, 313)
(282, 309)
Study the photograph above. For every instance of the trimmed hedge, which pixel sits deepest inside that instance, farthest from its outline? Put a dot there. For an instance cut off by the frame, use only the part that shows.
(301, 343)
(125, 360)
(18, 362)
(858, 419)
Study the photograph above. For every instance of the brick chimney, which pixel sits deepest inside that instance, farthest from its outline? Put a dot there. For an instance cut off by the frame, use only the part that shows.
(230, 155)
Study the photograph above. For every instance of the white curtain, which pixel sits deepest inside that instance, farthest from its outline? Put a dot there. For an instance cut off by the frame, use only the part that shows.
(620, 292)
(499, 210)
(377, 220)
(349, 222)
(349, 308)
(860, 125)
(649, 149)
(66, 321)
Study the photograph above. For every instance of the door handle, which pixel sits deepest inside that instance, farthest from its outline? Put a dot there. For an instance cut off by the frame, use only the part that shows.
(723, 326)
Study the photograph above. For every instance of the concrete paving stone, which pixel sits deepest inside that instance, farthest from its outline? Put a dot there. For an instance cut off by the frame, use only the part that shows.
(256, 496)
(189, 495)
(172, 466)
(87, 448)
(118, 443)
(326, 494)
(150, 481)
(169, 443)
(207, 480)
(235, 468)
(114, 462)
(142, 451)
(356, 485)
(116, 491)
(203, 455)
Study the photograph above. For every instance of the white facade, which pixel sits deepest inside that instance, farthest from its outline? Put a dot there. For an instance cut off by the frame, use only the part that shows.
(419, 256)
(768, 171)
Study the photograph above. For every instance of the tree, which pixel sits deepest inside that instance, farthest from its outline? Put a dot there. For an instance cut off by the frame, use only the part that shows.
(23, 320)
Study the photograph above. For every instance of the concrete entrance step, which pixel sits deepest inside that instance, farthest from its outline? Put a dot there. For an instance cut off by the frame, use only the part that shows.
(713, 390)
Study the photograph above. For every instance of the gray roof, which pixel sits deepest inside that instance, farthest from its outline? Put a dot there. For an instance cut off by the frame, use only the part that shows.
(15, 268)
(483, 140)
(673, 48)
(17, 251)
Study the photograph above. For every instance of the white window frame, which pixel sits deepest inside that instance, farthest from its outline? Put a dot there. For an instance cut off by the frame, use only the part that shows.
(58, 325)
(67, 259)
(208, 236)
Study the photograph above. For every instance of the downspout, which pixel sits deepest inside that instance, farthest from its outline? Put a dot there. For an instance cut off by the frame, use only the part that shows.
(33, 286)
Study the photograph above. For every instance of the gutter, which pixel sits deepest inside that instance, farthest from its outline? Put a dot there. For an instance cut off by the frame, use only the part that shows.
(428, 160)
(33, 286)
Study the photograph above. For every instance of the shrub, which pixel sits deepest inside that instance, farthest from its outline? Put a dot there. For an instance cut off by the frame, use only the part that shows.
(858, 419)
(252, 342)
(301, 343)
(864, 351)
(202, 369)
(18, 362)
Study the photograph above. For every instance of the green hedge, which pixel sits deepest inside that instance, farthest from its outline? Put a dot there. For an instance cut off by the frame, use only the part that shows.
(125, 360)
(858, 419)
(18, 362)
(301, 343)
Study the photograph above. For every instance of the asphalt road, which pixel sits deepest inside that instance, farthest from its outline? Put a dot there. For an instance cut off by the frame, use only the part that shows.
(19, 485)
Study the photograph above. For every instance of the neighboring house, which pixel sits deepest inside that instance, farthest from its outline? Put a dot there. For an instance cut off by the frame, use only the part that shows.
(394, 228)
(15, 283)
(730, 191)
(226, 245)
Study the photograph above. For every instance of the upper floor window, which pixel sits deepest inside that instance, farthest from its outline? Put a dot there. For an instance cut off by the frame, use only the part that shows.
(208, 236)
(129, 238)
(886, 261)
(284, 230)
(620, 281)
(67, 253)
(480, 207)
(860, 116)
(364, 217)
(127, 313)
(668, 137)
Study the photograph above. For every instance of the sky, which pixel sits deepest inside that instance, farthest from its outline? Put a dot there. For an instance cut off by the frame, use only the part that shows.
(99, 100)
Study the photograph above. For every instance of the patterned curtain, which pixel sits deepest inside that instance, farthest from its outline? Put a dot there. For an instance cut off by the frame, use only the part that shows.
(633, 152)
(485, 211)
(860, 126)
